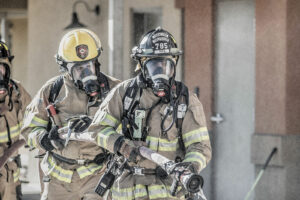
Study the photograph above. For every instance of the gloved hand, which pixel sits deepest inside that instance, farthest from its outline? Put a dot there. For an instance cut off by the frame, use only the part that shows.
(129, 150)
(182, 168)
(51, 140)
(79, 124)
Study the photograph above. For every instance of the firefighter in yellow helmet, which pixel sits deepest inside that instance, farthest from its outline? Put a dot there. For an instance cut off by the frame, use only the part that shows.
(158, 112)
(71, 168)
(13, 101)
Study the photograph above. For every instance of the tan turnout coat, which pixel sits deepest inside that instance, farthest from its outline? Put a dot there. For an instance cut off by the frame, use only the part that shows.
(13, 120)
(70, 102)
(194, 132)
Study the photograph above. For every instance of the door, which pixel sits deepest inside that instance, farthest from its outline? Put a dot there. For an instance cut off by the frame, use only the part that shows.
(233, 172)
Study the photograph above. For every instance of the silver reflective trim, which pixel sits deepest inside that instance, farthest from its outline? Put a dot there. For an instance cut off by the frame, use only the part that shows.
(196, 136)
(91, 77)
(195, 157)
(128, 192)
(163, 76)
(38, 123)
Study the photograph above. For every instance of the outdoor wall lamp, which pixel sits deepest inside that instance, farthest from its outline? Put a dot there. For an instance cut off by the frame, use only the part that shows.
(75, 21)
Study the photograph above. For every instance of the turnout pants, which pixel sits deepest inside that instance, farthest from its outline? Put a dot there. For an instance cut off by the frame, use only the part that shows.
(8, 187)
(78, 189)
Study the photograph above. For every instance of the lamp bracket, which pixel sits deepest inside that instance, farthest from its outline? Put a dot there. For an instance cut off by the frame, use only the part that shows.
(96, 10)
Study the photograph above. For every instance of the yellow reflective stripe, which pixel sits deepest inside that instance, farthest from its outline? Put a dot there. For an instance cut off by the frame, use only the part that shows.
(160, 144)
(109, 120)
(195, 157)
(120, 194)
(12, 129)
(152, 143)
(161, 191)
(38, 122)
(157, 191)
(16, 175)
(33, 136)
(4, 46)
(119, 129)
(21, 123)
(166, 145)
(58, 172)
(103, 136)
(84, 171)
(14, 132)
(195, 136)
(138, 191)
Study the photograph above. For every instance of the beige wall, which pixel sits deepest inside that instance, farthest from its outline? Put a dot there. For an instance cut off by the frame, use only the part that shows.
(46, 20)
(45, 30)
(19, 49)
(270, 66)
(293, 69)
(171, 21)
(198, 57)
(277, 66)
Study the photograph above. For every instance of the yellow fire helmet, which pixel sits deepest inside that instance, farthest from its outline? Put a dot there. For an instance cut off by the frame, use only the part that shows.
(78, 45)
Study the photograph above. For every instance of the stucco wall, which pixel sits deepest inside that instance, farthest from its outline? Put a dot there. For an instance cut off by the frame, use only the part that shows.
(19, 49)
(198, 68)
(46, 21)
(270, 66)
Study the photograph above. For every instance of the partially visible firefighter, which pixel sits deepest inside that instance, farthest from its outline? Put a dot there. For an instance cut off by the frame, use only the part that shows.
(71, 168)
(13, 101)
(156, 111)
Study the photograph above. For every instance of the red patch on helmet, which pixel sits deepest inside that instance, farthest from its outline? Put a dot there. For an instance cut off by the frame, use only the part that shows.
(161, 93)
(82, 51)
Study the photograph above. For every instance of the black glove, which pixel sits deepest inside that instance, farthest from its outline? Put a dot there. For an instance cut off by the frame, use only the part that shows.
(55, 140)
(182, 168)
(45, 142)
(79, 124)
(51, 140)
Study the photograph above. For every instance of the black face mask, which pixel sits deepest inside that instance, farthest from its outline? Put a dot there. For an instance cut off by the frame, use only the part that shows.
(160, 72)
(4, 80)
(84, 76)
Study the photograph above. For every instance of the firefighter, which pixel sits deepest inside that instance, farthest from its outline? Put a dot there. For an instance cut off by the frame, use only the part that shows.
(156, 111)
(71, 168)
(13, 101)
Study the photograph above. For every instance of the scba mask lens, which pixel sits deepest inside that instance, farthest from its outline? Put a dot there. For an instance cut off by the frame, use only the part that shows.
(160, 68)
(160, 71)
(84, 75)
(3, 79)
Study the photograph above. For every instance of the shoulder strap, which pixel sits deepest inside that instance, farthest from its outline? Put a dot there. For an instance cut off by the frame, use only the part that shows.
(183, 103)
(55, 89)
(15, 86)
(129, 103)
(12, 86)
(129, 97)
(104, 85)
